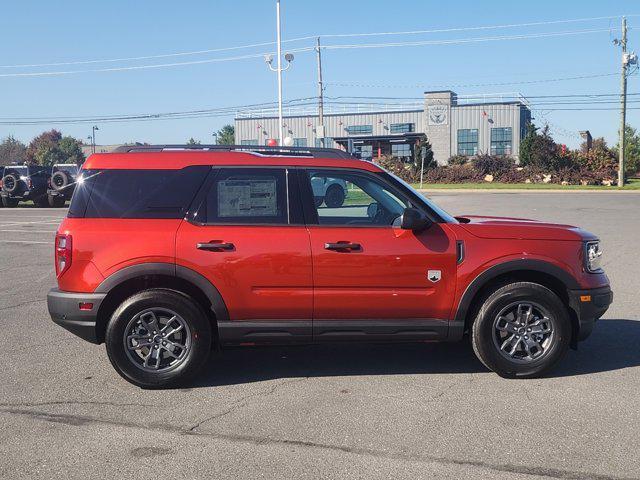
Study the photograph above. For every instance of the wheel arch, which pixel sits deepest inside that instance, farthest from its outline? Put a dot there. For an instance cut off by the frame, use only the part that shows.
(544, 273)
(130, 280)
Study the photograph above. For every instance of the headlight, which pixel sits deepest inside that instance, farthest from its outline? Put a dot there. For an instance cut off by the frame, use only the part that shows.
(593, 256)
(24, 178)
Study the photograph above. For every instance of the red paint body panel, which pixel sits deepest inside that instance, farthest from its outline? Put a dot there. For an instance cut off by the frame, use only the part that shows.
(387, 277)
(102, 246)
(266, 276)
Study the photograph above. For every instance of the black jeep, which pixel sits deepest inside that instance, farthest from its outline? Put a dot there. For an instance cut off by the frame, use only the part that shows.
(23, 183)
(62, 184)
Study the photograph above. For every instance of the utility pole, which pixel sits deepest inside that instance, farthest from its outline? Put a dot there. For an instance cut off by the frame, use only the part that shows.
(93, 138)
(623, 103)
(320, 127)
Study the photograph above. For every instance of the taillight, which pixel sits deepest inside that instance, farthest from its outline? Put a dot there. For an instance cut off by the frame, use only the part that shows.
(63, 253)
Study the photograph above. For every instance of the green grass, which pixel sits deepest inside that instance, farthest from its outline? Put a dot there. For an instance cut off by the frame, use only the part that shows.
(632, 184)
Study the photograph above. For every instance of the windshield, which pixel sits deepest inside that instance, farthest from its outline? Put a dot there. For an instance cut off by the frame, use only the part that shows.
(445, 216)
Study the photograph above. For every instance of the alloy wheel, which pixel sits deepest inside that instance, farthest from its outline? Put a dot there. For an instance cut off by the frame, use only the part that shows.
(523, 332)
(157, 340)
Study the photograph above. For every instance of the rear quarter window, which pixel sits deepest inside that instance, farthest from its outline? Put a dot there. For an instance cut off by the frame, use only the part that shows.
(136, 193)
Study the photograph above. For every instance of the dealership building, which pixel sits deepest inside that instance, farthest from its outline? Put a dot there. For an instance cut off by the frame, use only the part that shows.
(453, 126)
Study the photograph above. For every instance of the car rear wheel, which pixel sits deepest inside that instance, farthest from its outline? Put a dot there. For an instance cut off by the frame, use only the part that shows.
(158, 338)
(334, 197)
(55, 201)
(9, 202)
(41, 201)
(522, 330)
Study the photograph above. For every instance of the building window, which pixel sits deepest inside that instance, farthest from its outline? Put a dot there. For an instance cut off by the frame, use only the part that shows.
(468, 141)
(402, 127)
(299, 142)
(360, 129)
(249, 142)
(328, 142)
(401, 150)
(501, 141)
(363, 152)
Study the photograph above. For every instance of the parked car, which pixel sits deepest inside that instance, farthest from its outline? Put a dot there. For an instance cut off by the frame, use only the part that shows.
(23, 183)
(168, 254)
(62, 184)
(331, 191)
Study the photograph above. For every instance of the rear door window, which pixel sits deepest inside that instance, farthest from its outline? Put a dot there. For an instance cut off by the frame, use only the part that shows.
(136, 193)
(247, 196)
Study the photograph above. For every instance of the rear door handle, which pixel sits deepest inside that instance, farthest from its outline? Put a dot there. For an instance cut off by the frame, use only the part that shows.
(216, 246)
(342, 246)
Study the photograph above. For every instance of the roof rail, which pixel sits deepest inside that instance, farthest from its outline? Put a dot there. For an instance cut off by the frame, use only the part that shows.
(256, 149)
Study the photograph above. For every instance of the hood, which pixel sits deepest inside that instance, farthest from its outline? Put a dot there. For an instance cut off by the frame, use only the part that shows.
(521, 229)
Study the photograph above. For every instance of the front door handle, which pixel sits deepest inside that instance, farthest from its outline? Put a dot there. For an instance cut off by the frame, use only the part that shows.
(216, 246)
(342, 246)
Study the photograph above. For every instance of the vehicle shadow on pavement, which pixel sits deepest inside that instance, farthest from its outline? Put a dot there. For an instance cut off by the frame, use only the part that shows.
(254, 364)
(612, 346)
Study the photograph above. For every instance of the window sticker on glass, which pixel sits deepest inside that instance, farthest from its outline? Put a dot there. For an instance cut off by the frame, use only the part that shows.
(255, 197)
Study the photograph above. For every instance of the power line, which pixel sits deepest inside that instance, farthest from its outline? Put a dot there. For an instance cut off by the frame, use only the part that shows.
(311, 37)
(464, 85)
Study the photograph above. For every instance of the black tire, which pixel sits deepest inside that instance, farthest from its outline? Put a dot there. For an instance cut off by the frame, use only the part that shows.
(41, 201)
(485, 336)
(189, 311)
(9, 202)
(334, 196)
(55, 201)
(318, 201)
(59, 180)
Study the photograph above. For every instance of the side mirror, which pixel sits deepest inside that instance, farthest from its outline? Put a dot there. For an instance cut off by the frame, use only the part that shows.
(413, 219)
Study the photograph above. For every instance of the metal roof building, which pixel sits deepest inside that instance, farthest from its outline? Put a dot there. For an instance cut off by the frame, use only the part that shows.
(453, 126)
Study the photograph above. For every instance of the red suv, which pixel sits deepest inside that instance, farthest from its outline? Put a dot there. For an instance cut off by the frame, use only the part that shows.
(168, 253)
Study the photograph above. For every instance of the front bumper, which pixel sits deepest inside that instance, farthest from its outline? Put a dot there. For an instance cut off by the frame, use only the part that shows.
(589, 306)
(64, 308)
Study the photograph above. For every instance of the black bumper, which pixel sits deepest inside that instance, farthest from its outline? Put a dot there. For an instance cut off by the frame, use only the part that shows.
(589, 306)
(64, 308)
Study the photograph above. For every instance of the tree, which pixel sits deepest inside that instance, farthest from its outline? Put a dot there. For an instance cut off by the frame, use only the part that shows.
(71, 150)
(227, 135)
(423, 146)
(527, 143)
(51, 147)
(539, 150)
(631, 150)
(193, 141)
(12, 151)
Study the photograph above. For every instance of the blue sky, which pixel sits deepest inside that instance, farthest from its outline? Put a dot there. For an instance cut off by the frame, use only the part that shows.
(35, 32)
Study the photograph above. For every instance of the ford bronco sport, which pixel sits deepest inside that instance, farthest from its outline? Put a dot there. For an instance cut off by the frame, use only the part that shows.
(168, 253)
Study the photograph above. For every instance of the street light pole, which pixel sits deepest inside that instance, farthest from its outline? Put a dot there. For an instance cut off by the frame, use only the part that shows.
(279, 69)
(279, 48)
(93, 138)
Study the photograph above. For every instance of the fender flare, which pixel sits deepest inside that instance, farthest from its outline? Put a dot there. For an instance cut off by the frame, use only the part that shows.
(456, 329)
(218, 305)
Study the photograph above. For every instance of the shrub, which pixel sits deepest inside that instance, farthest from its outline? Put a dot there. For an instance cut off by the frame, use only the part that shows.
(493, 165)
(453, 174)
(458, 160)
(406, 171)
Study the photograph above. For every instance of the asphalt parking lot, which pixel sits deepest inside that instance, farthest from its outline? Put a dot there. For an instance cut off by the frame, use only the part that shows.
(407, 411)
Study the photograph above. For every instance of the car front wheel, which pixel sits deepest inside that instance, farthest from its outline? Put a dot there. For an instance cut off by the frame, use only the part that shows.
(158, 338)
(522, 330)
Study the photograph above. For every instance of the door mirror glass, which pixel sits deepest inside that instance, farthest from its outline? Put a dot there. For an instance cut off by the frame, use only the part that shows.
(413, 219)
